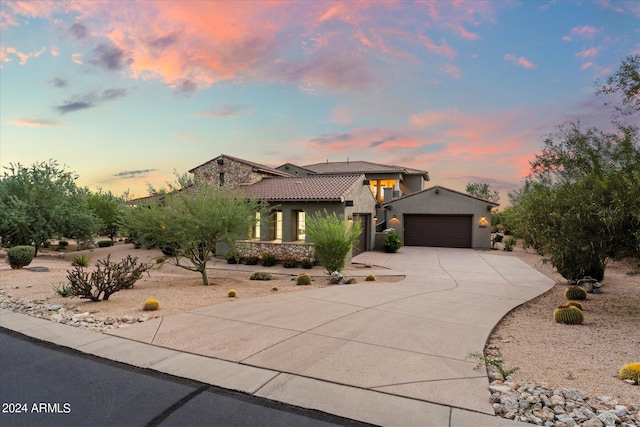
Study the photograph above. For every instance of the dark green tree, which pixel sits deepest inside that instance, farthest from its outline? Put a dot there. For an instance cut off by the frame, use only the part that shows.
(42, 202)
(109, 208)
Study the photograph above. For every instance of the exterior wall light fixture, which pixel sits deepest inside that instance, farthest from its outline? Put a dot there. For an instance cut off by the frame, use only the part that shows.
(395, 219)
(483, 223)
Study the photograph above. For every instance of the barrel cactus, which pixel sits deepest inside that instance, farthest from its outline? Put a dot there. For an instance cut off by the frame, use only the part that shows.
(575, 304)
(630, 371)
(568, 314)
(232, 293)
(303, 279)
(151, 305)
(370, 278)
(575, 293)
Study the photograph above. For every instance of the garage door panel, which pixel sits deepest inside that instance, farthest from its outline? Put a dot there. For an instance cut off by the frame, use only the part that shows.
(453, 231)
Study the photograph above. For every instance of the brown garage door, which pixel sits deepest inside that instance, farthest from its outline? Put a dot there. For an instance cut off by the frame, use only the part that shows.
(451, 231)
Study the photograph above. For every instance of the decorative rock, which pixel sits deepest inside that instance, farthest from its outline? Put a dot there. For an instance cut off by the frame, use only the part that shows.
(566, 419)
(594, 422)
(557, 400)
(573, 394)
(608, 418)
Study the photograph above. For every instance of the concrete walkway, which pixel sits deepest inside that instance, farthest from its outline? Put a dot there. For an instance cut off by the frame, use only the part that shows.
(383, 353)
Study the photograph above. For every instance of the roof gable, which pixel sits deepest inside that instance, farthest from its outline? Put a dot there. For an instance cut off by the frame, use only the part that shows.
(257, 166)
(328, 188)
(361, 167)
(438, 188)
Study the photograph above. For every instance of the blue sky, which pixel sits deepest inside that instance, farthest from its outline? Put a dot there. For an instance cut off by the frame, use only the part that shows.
(124, 93)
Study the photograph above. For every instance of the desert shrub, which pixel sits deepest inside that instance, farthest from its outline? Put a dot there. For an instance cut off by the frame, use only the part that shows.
(303, 279)
(80, 260)
(274, 289)
(392, 241)
(20, 256)
(151, 305)
(64, 290)
(568, 314)
(232, 293)
(630, 371)
(268, 260)
(63, 244)
(509, 243)
(350, 281)
(108, 278)
(105, 243)
(370, 278)
(333, 238)
(251, 260)
(575, 293)
(260, 275)
(290, 262)
(306, 263)
(232, 256)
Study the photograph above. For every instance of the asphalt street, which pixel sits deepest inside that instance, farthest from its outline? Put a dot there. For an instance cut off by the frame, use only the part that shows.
(46, 385)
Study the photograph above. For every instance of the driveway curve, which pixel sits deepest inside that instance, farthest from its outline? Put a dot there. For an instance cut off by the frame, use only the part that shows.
(382, 353)
(409, 339)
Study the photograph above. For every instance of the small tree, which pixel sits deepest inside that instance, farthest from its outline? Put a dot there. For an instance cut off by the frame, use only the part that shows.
(483, 190)
(188, 224)
(333, 239)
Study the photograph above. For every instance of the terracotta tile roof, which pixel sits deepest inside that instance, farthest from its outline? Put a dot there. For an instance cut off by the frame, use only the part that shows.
(325, 188)
(360, 167)
(438, 187)
(257, 166)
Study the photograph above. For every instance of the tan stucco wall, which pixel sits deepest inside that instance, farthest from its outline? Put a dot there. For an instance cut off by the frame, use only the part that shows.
(444, 202)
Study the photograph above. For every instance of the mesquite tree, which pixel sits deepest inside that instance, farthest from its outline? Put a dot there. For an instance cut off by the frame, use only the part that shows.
(188, 224)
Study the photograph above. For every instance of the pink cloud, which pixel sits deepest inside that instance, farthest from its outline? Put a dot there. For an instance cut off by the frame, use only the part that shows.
(33, 122)
(24, 57)
(441, 49)
(586, 65)
(519, 60)
(584, 32)
(452, 71)
(342, 115)
(587, 53)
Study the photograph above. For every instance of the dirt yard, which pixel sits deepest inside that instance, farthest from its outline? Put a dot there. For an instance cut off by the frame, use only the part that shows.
(586, 357)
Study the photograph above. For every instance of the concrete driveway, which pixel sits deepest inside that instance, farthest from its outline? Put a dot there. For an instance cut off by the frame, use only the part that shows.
(382, 353)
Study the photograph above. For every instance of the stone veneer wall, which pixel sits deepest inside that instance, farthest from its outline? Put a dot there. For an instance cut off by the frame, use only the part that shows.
(299, 251)
(235, 173)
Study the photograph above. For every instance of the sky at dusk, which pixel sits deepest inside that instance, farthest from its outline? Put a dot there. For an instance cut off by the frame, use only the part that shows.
(124, 93)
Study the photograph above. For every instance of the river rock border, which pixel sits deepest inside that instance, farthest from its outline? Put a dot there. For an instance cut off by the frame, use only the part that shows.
(564, 407)
(66, 315)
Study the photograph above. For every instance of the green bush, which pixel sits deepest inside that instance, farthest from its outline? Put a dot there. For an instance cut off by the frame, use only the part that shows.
(268, 260)
(232, 256)
(333, 238)
(81, 260)
(260, 275)
(509, 243)
(63, 244)
(20, 256)
(251, 260)
(64, 290)
(104, 243)
(290, 262)
(306, 263)
(392, 241)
